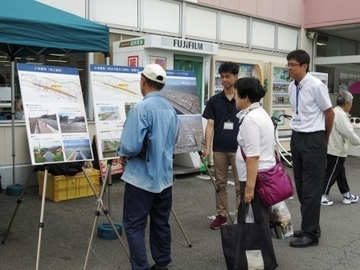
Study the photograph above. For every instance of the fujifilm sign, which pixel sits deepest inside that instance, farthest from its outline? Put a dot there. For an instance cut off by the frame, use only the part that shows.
(168, 43)
(185, 44)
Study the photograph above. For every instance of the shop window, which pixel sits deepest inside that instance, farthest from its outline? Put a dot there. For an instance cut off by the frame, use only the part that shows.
(331, 76)
(327, 46)
(347, 47)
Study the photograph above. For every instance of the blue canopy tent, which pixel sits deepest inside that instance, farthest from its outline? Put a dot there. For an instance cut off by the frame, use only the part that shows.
(29, 28)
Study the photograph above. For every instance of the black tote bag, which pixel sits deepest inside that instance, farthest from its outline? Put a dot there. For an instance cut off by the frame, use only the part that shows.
(248, 245)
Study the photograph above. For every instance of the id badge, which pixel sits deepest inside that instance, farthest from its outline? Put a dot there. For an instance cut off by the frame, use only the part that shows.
(229, 125)
(296, 121)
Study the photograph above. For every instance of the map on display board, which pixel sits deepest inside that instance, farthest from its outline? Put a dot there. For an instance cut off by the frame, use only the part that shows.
(55, 115)
(116, 89)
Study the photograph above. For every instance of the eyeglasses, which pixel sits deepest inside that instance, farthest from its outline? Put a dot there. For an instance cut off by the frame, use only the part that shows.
(292, 65)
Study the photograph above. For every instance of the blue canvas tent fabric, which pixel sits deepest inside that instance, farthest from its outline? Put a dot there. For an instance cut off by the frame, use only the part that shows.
(29, 28)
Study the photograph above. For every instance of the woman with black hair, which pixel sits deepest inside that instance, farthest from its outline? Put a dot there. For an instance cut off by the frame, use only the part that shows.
(255, 153)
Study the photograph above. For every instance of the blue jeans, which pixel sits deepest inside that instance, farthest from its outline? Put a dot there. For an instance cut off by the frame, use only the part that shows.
(138, 205)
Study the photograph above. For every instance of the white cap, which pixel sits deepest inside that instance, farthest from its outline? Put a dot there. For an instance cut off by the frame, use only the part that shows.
(155, 73)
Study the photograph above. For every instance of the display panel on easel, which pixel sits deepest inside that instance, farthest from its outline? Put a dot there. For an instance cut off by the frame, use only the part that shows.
(115, 89)
(54, 112)
(181, 92)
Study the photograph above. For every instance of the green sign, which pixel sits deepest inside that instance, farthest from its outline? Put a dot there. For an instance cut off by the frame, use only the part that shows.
(132, 43)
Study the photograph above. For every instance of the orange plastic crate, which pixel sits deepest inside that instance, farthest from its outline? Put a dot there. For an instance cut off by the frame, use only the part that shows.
(64, 187)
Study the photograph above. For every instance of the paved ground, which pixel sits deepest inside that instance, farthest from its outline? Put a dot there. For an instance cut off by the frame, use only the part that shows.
(68, 225)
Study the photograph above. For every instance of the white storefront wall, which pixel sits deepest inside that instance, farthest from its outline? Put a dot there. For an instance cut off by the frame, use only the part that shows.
(240, 38)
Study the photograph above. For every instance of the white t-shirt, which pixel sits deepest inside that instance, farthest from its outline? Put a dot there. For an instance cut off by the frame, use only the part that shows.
(309, 106)
(256, 138)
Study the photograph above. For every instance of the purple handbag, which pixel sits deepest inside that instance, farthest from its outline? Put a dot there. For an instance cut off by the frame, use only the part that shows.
(274, 185)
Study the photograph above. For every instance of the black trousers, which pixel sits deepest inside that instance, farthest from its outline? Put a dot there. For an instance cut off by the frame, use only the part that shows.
(335, 172)
(308, 152)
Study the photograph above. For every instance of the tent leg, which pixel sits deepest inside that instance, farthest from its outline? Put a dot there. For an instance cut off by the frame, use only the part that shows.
(13, 116)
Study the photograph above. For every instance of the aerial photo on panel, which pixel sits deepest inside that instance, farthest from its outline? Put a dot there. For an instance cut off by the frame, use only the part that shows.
(181, 92)
(190, 136)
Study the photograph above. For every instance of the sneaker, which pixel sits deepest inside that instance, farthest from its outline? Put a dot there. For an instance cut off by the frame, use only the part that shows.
(218, 222)
(351, 199)
(326, 201)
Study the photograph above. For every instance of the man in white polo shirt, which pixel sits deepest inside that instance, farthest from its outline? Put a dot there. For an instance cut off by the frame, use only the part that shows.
(312, 121)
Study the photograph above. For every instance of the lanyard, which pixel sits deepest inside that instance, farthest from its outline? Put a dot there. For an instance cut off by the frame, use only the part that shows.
(297, 99)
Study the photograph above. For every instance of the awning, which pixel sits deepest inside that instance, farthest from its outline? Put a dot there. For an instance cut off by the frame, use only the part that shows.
(30, 28)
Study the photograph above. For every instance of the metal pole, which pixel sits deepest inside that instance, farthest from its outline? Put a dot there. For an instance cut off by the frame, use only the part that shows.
(181, 227)
(13, 115)
(41, 223)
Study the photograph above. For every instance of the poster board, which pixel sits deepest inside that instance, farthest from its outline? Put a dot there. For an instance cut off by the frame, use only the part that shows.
(116, 89)
(55, 117)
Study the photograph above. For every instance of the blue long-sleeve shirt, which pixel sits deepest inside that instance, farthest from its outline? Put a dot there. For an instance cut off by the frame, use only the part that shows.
(158, 118)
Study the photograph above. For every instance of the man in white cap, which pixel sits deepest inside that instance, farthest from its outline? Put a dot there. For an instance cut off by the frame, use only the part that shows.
(147, 148)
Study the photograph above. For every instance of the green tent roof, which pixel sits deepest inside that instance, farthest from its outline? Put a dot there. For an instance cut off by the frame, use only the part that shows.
(29, 28)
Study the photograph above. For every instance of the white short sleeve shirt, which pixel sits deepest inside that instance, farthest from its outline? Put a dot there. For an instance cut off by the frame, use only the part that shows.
(308, 104)
(256, 138)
